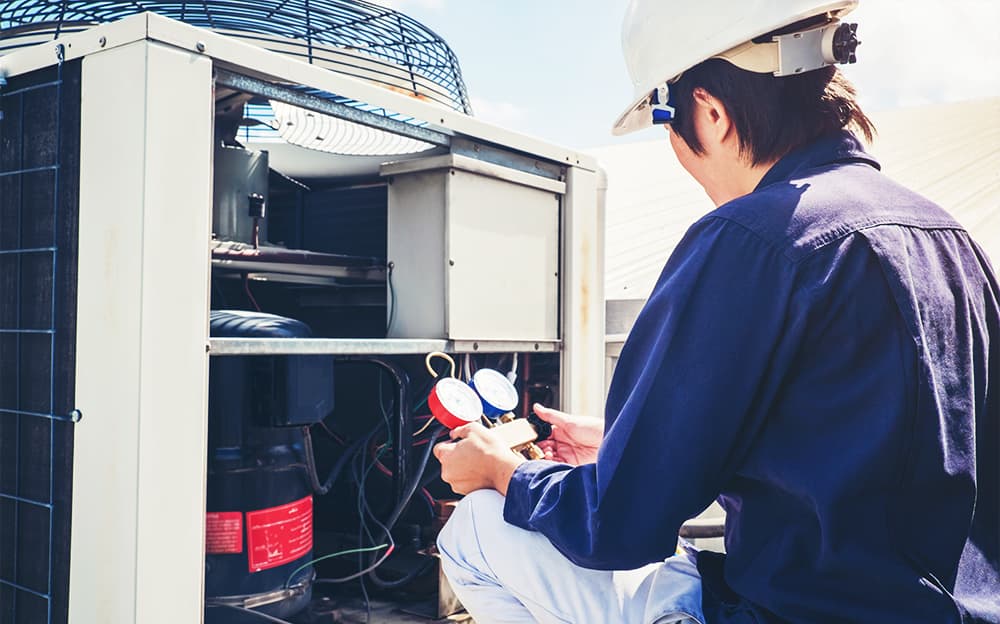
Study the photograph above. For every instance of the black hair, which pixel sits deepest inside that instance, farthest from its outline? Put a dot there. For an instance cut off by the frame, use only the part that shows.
(772, 115)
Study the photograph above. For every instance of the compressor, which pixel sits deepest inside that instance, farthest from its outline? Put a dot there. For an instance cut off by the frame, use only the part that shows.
(259, 520)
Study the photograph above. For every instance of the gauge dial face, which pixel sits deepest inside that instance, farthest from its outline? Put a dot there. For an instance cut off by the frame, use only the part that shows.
(495, 389)
(458, 399)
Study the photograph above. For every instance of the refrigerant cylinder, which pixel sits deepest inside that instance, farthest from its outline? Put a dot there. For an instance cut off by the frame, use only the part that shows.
(258, 526)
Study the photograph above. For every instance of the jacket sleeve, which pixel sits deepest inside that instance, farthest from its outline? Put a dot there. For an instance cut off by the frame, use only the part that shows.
(691, 387)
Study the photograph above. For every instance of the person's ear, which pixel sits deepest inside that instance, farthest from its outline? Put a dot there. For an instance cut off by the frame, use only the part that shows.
(712, 122)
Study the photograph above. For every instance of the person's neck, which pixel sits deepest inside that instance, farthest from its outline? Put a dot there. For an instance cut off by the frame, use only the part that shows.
(737, 180)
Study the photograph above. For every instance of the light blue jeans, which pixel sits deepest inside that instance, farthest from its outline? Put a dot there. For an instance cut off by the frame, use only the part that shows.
(506, 575)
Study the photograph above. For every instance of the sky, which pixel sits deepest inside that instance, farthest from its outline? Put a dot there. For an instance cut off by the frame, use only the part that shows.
(554, 69)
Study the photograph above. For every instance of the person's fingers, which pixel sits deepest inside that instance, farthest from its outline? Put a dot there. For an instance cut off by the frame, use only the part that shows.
(463, 431)
(547, 445)
(442, 449)
(551, 416)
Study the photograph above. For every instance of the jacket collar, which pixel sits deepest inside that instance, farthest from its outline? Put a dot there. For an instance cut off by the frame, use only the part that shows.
(837, 147)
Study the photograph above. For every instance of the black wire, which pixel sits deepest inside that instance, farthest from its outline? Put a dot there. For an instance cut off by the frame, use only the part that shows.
(368, 603)
(307, 446)
(263, 616)
(323, 488)
(360, 477)
(415, 481)
(363, 528)
(392, 297)
(398, 511)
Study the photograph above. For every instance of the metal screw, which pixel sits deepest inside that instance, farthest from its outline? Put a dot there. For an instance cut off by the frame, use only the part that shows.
(200, 46)
(103, 41)
(451, 263)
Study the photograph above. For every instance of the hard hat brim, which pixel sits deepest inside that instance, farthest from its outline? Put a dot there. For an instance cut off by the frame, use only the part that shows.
(638, 116)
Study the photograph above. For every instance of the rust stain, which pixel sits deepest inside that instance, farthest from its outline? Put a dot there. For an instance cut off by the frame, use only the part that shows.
(585, 284)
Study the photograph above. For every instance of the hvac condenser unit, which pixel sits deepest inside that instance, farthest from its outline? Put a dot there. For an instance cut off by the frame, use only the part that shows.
(307, 174)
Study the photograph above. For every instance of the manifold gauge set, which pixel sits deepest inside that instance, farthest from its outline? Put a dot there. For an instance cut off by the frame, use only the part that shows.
(488, 397)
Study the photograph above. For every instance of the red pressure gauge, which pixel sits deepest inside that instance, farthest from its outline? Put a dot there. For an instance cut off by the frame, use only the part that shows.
(453, 403)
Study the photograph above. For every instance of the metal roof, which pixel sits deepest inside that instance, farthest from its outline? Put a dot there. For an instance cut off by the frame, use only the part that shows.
(947, 152)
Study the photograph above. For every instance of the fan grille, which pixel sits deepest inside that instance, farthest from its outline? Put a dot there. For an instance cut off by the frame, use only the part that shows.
(351, 37)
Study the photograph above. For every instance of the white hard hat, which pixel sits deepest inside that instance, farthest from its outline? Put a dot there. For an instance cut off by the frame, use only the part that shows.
(662, 39)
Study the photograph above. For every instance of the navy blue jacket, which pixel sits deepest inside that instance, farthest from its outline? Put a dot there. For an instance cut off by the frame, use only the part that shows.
(823, 356)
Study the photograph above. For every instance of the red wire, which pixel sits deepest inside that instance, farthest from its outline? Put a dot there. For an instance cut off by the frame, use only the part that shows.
(428, 495)
(246, 287)
(426, 440)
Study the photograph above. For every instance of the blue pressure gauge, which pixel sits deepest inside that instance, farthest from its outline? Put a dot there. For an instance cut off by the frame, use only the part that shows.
(497, 393)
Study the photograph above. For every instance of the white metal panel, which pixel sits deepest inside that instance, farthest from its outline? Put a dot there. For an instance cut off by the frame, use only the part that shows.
(474, 249)
(503, 259)
(416, 255)
(139, 460)
(583, 355)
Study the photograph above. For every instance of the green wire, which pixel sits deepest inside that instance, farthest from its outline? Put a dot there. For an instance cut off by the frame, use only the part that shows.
(336, 554)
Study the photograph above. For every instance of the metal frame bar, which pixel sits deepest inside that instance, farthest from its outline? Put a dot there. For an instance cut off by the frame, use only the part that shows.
(371, 346)
(271, 91)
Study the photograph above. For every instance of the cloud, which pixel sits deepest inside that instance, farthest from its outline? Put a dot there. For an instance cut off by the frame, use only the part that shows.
(918, 52)
(498, 112)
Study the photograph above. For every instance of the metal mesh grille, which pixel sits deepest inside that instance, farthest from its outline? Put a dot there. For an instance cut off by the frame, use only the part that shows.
(352, 37)
(39, 133)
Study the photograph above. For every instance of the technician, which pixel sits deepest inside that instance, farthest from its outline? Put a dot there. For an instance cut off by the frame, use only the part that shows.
(821, 354)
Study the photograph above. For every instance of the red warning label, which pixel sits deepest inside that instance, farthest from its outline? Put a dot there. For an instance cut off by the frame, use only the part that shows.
(278, 535)
(223, 532)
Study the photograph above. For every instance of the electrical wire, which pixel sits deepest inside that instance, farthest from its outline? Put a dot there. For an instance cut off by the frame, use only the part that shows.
(411, 488)
(386, 527)
(323, 488)
(360, 477)
(425, 493)
(424, 428)
(392, 297)
(438, 354)
(336, 438)
(356, 452)
(352, 551)
(246, 288)
(262, 616)
(351, 577)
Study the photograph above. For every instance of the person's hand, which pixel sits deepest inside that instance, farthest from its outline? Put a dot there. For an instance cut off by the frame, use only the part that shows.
(476, 459)
(574, 439)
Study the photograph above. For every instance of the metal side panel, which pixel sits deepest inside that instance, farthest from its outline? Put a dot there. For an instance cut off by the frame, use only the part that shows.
(582, 303)
(139, 463)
